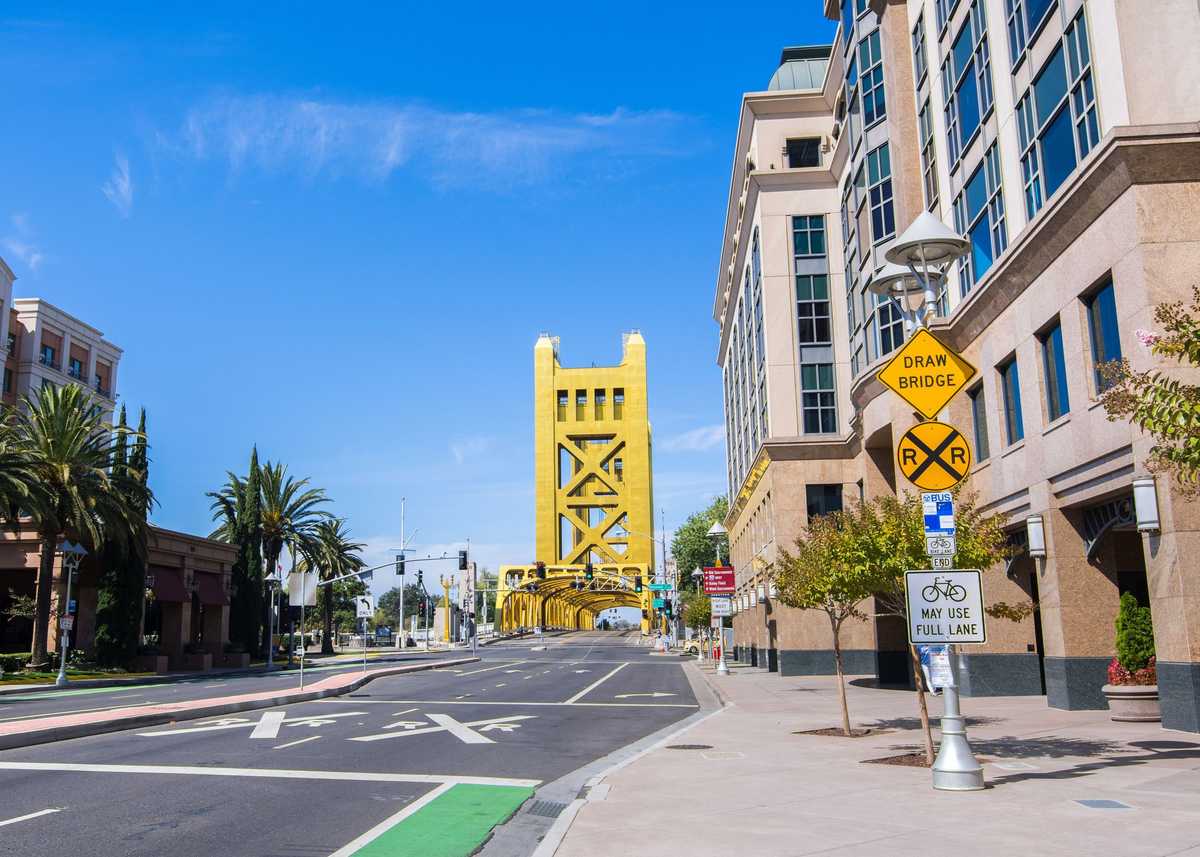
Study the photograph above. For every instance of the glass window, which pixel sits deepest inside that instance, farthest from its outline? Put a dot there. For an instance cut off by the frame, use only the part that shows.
(1056, 118)
(817, 398)
(890, 325)
(812, 309)
(920, 64)
(879, 189)
(870, 64)
(979, 214)
(928, 156)
(1025, 18)
(1054, 363)
(1010, 384)
(808, 236)
(979, 419)
(8, 380)
(1102, 327)
(967, 82)
(804, 152)
(945, 8)
(823, 499)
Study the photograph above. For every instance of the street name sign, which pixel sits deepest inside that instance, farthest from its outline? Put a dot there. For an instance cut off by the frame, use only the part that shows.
(722, 605)
(660, 587)
(658, 603)
(945, 606)
(933, 456)
(718, 580)
(926, 374)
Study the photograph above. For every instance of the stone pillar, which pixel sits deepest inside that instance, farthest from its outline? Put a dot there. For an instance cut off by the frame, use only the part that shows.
(1078, 605)
(1174, 583)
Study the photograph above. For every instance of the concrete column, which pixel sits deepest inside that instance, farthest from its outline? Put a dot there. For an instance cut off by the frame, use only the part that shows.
(64, 357)
(1174, 584)
(1078, 606)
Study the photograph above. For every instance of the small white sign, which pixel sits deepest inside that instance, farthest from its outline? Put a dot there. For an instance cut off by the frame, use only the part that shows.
(935, 661)
(940, 562)
(722, 606)
(66, 623)
(940, 545)
(937, 507)
(302, 588)
(364, 606)
(945, 606)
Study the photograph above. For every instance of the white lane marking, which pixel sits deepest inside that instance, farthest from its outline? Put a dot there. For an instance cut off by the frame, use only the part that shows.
(445, 725)
(127, 696)
(489, 669)
(216, 684)
(312, 720)
(502, 684)
(405, 711)
(506, 702)
(596, 684)
(294, 743)
(37, 814)
(511, 671)
(266, 773)
(655, 695)
(578, 672)
(268, 726)
(388, 823)
(528, 677)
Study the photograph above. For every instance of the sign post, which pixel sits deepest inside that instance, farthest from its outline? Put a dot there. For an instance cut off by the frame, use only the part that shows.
(947, 607)
(364, 609)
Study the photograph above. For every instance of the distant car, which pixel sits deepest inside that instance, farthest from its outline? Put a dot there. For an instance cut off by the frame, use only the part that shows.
(691, 647)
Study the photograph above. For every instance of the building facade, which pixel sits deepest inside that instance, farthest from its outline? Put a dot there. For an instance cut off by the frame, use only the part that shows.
(1051, 135)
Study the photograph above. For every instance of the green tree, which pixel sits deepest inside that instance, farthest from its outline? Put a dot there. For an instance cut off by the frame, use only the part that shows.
(333, 551)
(1135, 634)
(697, 609)
(17, 479)
(289, 516)
(1164, 406)
(236, 507)
(69, 451)
(833, 571)
(389, 603)
(121, 589)
(691, 546)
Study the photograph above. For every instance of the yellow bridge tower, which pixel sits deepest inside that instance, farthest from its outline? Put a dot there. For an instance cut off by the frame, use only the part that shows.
(593, 495)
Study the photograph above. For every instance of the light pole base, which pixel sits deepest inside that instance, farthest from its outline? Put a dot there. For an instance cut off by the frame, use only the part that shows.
(61, 681)
(956, 769)
(721, 668)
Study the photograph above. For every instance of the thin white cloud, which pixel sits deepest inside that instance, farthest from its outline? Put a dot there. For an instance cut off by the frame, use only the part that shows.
(374, 140)
(119, 187)
(697, 440)
(19, 242)
(469, 447)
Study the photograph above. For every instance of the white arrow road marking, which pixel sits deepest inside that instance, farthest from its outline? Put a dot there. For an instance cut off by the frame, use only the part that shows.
(294, 743)
(239, 722)
(446, 723)
(407, 724)
(577, 672)
(37, 814)
(268, 726)
(654, 695)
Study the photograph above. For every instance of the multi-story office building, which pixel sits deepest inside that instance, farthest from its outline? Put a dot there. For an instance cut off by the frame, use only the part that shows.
(48, 346)
(1053, 136)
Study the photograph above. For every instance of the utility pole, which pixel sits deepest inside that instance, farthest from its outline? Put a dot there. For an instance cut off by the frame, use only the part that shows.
(400, 568)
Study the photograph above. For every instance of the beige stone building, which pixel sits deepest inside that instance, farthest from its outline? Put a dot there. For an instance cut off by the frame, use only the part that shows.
(1053, 136)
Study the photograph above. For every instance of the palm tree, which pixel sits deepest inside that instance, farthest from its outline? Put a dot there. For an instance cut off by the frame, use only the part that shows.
(16, 477)
(235, 508)
(289, 515)
(336, 555)
(69, 452)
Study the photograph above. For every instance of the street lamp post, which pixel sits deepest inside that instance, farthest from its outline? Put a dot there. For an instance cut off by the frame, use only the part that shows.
(72, 554)
(918, 261)
(717, 532)
(697, 577)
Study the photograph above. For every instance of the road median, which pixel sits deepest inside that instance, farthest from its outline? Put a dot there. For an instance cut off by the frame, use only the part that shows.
(43, 730)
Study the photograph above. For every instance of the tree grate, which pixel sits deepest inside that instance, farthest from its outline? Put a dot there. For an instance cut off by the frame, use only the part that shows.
(546, 808)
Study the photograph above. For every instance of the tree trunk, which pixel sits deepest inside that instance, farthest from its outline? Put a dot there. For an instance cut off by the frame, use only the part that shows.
(841, 674)
(919, 678)
(327, 637)
(269, 613)
(41, 618)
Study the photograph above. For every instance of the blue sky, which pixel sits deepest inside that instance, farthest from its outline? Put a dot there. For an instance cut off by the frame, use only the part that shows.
(337, 231)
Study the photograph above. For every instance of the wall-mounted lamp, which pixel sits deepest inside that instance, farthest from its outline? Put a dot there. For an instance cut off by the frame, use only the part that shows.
(1035, 532)
(762, 592)
(773, 590)
(753, 598)
(1145, 504)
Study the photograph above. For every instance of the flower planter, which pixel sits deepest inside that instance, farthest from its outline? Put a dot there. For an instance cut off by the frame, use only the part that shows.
(150, 664)
(1133, 703)
(235, 660)
(201, 661)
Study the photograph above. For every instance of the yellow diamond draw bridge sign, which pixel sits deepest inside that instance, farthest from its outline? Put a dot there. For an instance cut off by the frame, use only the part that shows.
(926, 374)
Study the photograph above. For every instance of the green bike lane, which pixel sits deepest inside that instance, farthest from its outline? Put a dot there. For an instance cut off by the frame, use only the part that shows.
(425, 764)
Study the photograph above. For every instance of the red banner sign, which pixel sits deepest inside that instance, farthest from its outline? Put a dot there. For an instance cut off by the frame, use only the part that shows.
(719, 580)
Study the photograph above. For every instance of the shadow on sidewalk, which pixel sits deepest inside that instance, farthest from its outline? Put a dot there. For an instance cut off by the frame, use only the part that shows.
(1178, 750)
(912, 724)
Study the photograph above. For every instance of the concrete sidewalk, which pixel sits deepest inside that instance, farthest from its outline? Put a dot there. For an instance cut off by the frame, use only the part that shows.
(760, 788)
(59, 727)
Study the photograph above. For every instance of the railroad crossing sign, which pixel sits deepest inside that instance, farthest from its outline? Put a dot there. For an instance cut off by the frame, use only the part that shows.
(926, 374)
(933, 456)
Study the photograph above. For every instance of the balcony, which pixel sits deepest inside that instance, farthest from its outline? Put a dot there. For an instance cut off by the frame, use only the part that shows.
(47, 360)
(76, 372)
(102, 387)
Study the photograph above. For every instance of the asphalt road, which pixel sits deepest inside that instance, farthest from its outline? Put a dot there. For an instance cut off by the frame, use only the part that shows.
(313, 778)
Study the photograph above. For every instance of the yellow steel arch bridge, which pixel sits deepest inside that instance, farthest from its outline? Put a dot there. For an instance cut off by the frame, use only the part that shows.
(592, 454)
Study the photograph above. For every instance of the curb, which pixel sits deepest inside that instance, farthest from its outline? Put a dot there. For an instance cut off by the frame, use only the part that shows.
(81, 730)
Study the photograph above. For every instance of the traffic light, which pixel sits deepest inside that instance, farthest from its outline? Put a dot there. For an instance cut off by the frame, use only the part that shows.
(462, 560)
(541, 571)
(637, 584)
(420, 575)
(645, 614)
(589, 572)
(400, 564)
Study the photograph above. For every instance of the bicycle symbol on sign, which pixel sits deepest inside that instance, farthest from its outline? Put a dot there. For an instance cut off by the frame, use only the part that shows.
(943, 586)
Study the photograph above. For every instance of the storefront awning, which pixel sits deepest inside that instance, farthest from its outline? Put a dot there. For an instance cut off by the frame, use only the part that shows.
(168, 584)
(209, 588)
